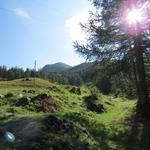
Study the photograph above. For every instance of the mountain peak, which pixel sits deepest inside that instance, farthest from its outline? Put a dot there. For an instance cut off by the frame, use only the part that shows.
(57, 67)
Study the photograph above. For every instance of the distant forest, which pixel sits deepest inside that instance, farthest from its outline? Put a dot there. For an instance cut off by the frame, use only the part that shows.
(67, 77)
(109, 76)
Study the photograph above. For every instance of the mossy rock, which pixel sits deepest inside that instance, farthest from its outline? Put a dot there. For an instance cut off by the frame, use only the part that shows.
(93, 104)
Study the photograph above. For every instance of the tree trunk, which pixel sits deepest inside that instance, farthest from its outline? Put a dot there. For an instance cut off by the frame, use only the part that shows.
(143, 105)
(133, 63)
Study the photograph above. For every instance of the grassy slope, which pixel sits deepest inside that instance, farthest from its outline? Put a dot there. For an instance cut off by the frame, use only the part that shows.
(114, 129)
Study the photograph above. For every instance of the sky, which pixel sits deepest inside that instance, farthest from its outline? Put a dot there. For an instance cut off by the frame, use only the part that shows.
(41, 30)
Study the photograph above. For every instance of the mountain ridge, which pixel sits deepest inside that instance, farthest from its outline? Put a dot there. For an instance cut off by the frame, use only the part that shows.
(62, 67)
(56, 67)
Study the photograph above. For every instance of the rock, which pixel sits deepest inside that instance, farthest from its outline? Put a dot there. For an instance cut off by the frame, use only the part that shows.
(46, 103)
(23, 101)
(57, 125)
(93, 104)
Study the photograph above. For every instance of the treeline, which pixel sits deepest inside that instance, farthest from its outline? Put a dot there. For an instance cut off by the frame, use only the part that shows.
(109, 76)
(60, 78)
(102, 74)
(15, 73)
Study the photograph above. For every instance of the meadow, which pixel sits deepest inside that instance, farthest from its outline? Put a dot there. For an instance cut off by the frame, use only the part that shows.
(48, 116)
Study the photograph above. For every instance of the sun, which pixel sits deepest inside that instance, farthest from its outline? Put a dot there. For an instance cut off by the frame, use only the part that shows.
(134, 16)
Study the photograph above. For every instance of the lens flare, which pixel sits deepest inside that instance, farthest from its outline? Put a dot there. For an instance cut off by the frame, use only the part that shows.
(9, 137)
(134, 16)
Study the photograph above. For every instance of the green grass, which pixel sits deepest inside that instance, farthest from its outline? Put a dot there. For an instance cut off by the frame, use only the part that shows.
(115, 129)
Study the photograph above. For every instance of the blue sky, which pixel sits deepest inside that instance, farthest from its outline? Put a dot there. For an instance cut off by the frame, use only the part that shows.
(42, 30)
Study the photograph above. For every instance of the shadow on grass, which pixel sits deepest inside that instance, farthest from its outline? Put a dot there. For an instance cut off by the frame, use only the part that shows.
(26, 131)
(78, 131)
(137, 136)
(97, 132)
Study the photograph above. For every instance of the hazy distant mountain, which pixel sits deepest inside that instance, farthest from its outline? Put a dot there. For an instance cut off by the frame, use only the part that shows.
(57, 67)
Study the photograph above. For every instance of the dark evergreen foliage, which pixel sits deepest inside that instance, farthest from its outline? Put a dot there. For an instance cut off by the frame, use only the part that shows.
(108, 42)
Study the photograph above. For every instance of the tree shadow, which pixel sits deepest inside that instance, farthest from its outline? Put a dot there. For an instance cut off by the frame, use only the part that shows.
(137, 136)
(95, 131)
(75, 131)
(26, 132)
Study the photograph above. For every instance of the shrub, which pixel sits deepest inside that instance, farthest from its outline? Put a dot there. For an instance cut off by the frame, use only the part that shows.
(8, 95)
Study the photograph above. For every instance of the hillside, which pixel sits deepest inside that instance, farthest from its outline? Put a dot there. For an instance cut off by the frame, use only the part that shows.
(67, 121)
(81, 67)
